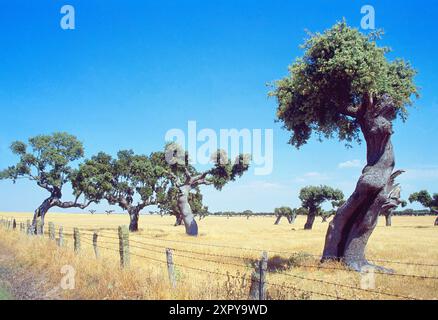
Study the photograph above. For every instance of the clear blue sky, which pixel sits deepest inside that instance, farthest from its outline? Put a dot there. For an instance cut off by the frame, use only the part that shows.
(134, 69)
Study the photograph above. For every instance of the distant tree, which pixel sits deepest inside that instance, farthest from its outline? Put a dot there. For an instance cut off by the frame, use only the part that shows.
(248, 214)
(130, 181)
(426, 200)
(47, 161)
(186, 178)
(390, 211)
(345, 85)
(92, 211)
(108, 212)
(313, 197)
(286, 212)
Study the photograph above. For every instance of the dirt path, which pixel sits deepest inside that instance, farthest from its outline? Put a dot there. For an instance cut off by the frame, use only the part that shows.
(18, 283)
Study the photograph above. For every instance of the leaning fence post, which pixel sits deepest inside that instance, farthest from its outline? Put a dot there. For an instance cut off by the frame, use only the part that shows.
(171, 267)
(77, 240)
(96, 249)
(14, 224)
(124, 246)
(51, 231)
(258, 279)
(61, 237)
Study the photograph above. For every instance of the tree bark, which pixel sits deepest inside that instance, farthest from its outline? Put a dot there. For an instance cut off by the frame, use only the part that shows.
(186, 211)
(310, 219)
(134, 215)
(41, 212)
(388, 219)
(179, 220)
(349, 231)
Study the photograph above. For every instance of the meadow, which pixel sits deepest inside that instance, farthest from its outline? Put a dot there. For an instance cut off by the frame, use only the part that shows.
(219, 262)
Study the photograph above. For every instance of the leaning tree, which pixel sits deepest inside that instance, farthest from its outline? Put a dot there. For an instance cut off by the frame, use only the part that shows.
(342, 86)
(47, 161)
(426, 200)
(169, 204)
(130, 181)
(286, 212)
(390, 212)
(313, 197)
(186, 178)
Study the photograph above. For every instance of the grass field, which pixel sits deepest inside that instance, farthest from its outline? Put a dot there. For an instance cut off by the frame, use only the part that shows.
(227, 246)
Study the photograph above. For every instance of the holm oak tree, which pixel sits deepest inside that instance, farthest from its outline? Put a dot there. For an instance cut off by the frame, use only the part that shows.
(426, 200)
(186, 178)
(313, 197)
(345, 85)
(284, 212)
(130, 181)
(47, 161)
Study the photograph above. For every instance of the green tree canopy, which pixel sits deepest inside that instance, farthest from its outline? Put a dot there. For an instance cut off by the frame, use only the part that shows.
(130, 181)
(342, 73)
(48, 161)
(185, 177)
(425, 199)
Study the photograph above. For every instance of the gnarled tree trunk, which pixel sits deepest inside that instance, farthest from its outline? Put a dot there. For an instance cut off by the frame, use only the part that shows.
(388, 219)
(436, 222)
(348, 233)
(179, 220)
(41, 212)
(134, 214)
(186, 211)
(277, 221)
(324, 219)
(291, 219)
(310, 219)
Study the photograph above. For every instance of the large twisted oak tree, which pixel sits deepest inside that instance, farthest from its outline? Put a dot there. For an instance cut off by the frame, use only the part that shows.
(186, 178)
(47, 160)
(342, 86)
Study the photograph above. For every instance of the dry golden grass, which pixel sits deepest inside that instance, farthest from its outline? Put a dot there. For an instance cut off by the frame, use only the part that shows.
(202, 263)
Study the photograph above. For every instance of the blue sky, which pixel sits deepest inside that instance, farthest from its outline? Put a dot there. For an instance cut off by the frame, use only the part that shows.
(132, 70)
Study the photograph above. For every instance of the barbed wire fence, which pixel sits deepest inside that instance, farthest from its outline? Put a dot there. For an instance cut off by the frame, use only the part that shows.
(142, 247)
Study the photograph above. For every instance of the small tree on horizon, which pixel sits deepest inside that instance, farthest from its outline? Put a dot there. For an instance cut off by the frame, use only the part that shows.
(47, 161)
(426, 200)
(286, 212)
(313, 197)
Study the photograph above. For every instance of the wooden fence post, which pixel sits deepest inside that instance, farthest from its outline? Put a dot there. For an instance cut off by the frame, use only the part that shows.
(39, 228)
(171, 267)
(77, 240)
(14, 224)
(96, 249)
(51, 231)
(61, 237)
(258, 279)
(28, 228)
(124, 246)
